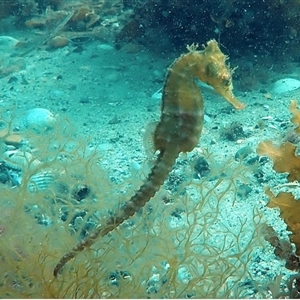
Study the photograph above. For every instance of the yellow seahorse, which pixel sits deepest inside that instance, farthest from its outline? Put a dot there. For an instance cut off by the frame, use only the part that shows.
(178, 130)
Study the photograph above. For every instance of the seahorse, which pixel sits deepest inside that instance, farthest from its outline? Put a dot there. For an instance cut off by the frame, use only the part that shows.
(179, 128)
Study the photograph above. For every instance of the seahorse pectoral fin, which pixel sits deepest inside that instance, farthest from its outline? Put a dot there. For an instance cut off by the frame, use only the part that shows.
(148, 139)
(229, 96)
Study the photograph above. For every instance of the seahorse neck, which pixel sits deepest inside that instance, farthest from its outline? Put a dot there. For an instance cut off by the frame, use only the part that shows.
(182, 107)
(181, 77)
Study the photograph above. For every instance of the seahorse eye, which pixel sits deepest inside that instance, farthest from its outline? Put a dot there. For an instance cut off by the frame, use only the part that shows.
(226, 82)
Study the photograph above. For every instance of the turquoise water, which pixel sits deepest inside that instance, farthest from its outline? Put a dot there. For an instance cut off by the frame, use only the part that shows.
(80, 84)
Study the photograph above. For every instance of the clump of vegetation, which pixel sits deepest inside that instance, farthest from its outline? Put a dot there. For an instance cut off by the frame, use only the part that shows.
(233, 132)
(43, 214)
(201, 167)
(286, 160)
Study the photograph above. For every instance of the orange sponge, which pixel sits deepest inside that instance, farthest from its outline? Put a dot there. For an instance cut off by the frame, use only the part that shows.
(284, 158)
(289, 212)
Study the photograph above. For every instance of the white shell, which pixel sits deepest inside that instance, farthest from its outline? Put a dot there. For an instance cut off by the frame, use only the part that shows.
(285, 85)
(37, 119)
(40, 181)
(20, 160)
(157, 96)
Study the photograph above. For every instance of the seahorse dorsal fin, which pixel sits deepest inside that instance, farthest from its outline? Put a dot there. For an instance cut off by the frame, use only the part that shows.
(148, 140)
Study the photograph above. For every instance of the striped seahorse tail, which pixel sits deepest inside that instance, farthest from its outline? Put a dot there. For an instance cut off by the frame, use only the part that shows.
(155, 179)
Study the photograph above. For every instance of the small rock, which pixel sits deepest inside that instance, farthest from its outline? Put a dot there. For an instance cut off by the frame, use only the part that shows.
(58, 42)
(105, 47)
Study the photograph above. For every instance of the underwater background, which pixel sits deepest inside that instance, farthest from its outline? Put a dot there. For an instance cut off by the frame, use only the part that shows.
(80, 82)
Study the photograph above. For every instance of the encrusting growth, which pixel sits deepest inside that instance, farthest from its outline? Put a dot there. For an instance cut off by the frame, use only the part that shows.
(178, 130)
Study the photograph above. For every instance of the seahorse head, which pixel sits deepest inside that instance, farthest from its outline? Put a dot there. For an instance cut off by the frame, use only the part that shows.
(218, 74)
